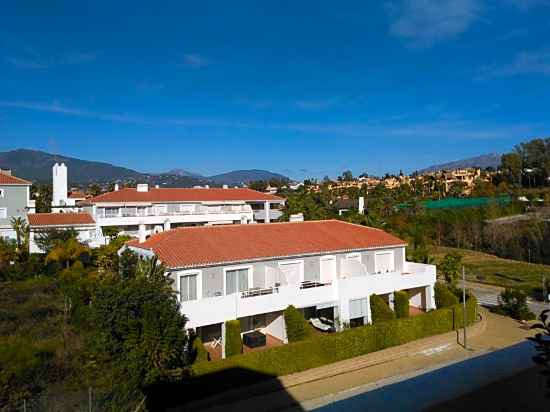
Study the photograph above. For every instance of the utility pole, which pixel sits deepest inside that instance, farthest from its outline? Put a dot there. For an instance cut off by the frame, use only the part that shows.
(544, 292)
(464, 303)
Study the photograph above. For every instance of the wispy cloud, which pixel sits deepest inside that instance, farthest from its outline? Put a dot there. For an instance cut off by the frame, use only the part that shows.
(30, 59)
(436, 129)
(525, 62)
(315, 104)
(425, 22)
(195, 61)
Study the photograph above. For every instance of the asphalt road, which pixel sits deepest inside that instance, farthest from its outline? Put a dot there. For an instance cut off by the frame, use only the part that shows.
(427, 390)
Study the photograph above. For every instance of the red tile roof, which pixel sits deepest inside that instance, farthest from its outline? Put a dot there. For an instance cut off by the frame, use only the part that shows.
(60, 219)
(182, 195)
(12, 180)
(201, 246)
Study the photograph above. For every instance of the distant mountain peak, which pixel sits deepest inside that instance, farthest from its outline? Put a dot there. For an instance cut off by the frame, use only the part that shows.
(482, 162)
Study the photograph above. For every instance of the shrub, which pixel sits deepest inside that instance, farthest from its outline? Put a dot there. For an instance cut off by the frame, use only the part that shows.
(380, 310)
(514, 304)
(325, 349)
(233, 340)
(198, 352)
(444, 298)
(401, 304)
(297, 328)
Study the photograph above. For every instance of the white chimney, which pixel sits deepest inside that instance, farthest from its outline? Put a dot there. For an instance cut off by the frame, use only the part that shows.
(207, 186)
(116, 187)
(156, 186)
(141, 233)
(225, 186)
(361, 205)
(142, 187)
(59, 195)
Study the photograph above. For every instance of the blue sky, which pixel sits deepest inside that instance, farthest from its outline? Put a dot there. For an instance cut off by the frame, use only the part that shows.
(307, 88)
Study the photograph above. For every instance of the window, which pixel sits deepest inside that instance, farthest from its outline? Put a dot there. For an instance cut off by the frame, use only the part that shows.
(354, 257)
(236, 280)
(384, 262)
(188, 287)
(293, 271)
(357, 311)
(3, 213)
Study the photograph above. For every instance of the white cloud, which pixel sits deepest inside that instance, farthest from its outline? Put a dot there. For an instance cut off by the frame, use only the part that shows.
(195, 61)
(425, 22)
(525, 62)
(30, 59)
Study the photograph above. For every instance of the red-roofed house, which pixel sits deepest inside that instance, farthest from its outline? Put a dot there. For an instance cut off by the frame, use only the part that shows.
(88, 231)
(328, 269)
(143, 211)
(15, 201)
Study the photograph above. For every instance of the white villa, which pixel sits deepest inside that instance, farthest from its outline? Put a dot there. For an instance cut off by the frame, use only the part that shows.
(328, 269)
(143, 211)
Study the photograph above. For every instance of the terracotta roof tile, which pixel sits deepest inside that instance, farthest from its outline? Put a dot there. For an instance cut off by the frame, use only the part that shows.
(12, 180)
(182, 195)
(201, 246)
(60, 219)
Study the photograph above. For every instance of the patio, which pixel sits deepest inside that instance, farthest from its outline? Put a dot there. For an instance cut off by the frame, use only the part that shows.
(216, 353)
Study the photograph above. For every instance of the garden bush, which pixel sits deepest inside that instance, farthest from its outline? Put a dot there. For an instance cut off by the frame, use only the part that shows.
(325, 349)
(380, 310)
(444, 298)
(233, 340)
(297, 328)
(401, 304)
(514, 304)
(198, 352)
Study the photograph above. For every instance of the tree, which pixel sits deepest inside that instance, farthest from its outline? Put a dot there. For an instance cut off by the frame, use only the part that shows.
(95, 190)
(542, 345)
(511, 164)
(401, 304)
(297, 328)
(48, 239)
(138, 335)
(380, 311)
(450, 268)
(444, 298)
(42, 194)
(514, 304)
(21, 230)
(67, 252)
(347, 176)
(233, 340)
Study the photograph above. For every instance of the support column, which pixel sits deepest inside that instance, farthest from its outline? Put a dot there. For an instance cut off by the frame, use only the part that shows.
(430, 297)
(167, 225)
(266, 210)
(223, 340)
(141, 234)
(369, 312)
(391, 301)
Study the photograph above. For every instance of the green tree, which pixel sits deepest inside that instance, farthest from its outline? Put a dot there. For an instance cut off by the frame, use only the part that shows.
(233, 340)
(444, 298)
(512, 165)
(380, 310)
(514, 304)
(21, 229)
(48, 239)
(401, 304)
(297, 328)
(450, 267)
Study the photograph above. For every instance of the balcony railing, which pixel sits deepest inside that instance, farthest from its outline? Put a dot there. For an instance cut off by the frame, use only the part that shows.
(259, 292)
(152, 213)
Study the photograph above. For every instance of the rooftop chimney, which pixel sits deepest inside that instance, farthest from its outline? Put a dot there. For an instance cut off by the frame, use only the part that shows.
(361, 205)
(116, 187)
(5, 172)
(207, 186)
(142, 187)
(297, 217)
(156, 186)
(225, 186)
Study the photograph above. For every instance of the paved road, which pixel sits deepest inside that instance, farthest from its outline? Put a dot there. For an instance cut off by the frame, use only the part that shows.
(429, 389)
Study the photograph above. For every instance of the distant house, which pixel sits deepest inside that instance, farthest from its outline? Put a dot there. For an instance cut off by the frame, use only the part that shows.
(15, 201)
(327, 269)
(88, 231)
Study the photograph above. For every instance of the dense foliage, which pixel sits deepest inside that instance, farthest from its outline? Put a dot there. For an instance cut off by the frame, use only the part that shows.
(401, 304)
(380, 311)
(444, 297)
(514, 304)
(324, 349)
(297, 328)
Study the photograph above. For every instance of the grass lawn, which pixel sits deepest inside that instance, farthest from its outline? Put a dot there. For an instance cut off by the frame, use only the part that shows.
(484, 268)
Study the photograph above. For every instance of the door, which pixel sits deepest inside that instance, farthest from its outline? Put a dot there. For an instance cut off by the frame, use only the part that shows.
(328, 269)
(292, 271)
(384, 262)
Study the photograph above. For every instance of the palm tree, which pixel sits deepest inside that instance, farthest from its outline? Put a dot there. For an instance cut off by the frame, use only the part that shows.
(20, 228)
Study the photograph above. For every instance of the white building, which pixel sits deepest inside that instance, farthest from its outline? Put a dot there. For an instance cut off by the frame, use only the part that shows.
(88, 231)
(329, 269)
(143, 211)
(15, 201)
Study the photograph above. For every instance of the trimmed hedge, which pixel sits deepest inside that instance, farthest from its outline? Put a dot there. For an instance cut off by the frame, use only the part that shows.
(200, 354)
(297, 328)
(380, 310)
(325, 349)
(233, 340)
(401, 304)
(444, 298)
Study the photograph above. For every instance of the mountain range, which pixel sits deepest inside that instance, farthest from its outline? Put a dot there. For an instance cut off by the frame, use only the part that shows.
(482, 162)
(36, 166)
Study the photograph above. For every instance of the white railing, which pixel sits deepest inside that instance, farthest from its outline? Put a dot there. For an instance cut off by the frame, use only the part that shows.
(153, 213)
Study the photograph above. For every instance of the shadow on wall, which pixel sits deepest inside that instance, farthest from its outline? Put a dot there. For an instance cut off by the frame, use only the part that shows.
(236, 389)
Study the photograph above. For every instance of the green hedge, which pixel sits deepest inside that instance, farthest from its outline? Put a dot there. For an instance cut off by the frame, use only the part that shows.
(199, 353)
(325, 349)
(380, 310)
(401, 304)
(297, 328)
(233, 340)
(444, 298)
